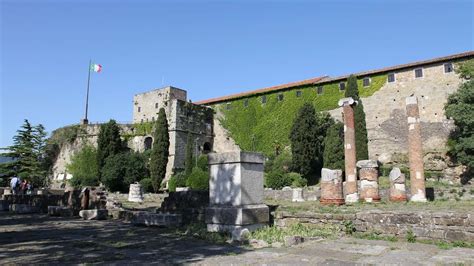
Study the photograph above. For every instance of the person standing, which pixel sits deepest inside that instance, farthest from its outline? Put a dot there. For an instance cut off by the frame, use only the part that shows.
(15, 184)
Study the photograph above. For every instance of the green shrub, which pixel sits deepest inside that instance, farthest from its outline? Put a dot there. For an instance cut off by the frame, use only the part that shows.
(282, 162)
(147, 186)
(202, 162)
(277, 180)
(198, 180)
(411, 237)
(177, 180)
(123, 169)
(297, 180)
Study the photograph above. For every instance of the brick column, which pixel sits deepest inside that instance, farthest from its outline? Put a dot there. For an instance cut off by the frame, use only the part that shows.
(369, 176)
(331, 187)
(350, 190)
(415, 151)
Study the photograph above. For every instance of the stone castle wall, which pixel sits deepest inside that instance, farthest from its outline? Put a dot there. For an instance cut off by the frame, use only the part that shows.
(146, 105)
(386, 119)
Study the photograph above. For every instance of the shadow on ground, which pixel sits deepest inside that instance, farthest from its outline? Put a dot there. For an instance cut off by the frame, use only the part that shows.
(41, 239)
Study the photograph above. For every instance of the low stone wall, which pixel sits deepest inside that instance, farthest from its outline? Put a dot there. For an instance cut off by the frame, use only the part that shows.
(287, 194)
(190, 204)
(425, 225)
(39, 201)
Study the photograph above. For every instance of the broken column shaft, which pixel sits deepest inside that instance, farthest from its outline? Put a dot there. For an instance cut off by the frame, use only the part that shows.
(415, 151)
(397, 185)
(369, 185)
(331, 187)
(351, 194)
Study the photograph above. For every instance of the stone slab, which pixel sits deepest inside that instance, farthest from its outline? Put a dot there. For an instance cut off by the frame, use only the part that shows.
(156, 219)
(236, 157)
(60, 211)
(96, 214)
(23, 208)
(243, 215)
(367, 164)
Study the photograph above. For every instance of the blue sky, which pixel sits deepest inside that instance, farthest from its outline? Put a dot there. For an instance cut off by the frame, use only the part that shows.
(209, 48)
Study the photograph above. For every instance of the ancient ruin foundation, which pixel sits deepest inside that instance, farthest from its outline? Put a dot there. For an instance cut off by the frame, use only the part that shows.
(397, 185)
(369, 175)
(350, 189)
(331, 187)
(415, 151)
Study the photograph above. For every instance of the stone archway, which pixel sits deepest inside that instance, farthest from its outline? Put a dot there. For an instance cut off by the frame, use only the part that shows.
(206, 148)
(148, 143)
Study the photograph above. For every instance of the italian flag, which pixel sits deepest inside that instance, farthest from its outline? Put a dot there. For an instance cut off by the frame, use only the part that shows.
(96, 67)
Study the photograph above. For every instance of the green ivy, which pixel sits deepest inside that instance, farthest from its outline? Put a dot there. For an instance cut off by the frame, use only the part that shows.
(143, 129)
(261, 127)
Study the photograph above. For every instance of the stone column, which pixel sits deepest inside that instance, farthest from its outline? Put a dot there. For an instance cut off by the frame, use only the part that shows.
(85, 198)
(369, 176)
(236, 192)
(415, 151)
(351, 194)
(397, 185)
(331, 187)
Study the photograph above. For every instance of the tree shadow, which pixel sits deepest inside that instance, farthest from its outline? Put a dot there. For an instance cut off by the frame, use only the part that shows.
(44, 240)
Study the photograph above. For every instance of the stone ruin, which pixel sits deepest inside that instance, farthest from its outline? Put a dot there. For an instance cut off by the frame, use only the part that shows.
(367, 190)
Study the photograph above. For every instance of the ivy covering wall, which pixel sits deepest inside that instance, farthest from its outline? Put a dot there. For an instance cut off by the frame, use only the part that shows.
(263, 127)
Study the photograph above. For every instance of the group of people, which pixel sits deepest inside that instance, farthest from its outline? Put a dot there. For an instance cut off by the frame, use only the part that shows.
(20, 187)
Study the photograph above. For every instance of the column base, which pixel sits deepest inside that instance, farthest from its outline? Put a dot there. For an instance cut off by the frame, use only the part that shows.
(399, 199)
(352, 198)
(331, 201)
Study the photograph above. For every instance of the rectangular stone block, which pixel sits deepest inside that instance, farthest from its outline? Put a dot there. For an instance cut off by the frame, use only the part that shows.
(96, 214)
(23, 208)
(236, 178)
(244, 215)
(60, 211)
(156, 219)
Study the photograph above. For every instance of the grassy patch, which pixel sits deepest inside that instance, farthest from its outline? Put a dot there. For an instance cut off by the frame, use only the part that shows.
(448, 245)
(199, 231)
(276, 234)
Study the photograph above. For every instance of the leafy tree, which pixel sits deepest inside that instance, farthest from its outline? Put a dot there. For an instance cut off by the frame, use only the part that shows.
(188, 162)
(121, 170)
(203, 162)
(28, 151)
(334, 147)
(84, 168)
(307, 141)
(108, 143)
(460, 108)
(362, 152)
(160, 150)
(177, 180)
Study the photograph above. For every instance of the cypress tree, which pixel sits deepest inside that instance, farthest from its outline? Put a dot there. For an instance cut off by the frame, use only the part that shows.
(160, 150)
(361, 140)
(307, 141)
(188, 162)
(108, 143)
(334, 147)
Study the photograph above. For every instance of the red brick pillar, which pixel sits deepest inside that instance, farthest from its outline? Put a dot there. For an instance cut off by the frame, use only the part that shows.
(369, 180)
(350, 190)
(415, 151)
(331, 187)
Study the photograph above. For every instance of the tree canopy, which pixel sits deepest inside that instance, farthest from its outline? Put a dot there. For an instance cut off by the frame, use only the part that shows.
(160, 150)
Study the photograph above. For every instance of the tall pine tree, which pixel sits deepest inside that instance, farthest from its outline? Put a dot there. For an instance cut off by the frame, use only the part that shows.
(160, 150)
(362, 152)
(28, 152)
(108, 143)
(307, 141)
(334, 147)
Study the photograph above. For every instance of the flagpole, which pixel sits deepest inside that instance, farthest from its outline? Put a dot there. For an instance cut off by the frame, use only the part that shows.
(85, 121)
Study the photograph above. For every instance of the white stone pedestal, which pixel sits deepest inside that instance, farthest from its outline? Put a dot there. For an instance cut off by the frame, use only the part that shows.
(236, 192)
(135, 193)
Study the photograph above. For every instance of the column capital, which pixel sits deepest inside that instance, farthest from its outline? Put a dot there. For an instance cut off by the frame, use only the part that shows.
(347, 101)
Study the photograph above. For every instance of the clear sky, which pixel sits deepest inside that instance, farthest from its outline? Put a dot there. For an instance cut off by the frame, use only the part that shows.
(209, 48)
